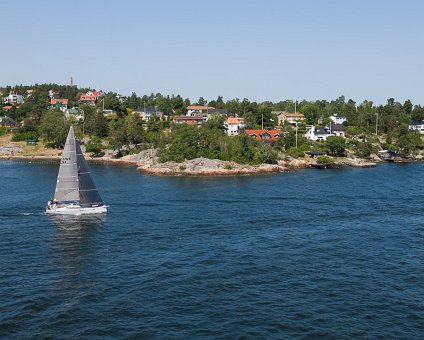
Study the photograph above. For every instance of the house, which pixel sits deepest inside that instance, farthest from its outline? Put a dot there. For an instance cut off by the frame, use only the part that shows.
(75, 113)
(290, 117)
(62, 104)
(195, 120)
(120, 98)
(336, 130)
(198, 110)
(321, 134)
(338, 119)
(265, 135)
(91, 97)
(7, 122)
(234, 125)
(205, 111)
(13, 99)
(414, 125)
(148, 113)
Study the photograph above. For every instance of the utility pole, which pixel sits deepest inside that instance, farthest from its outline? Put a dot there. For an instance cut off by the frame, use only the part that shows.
(376, 124)
(296, 135)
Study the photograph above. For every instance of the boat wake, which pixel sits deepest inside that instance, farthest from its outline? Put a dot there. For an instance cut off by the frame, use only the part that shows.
(5, 214)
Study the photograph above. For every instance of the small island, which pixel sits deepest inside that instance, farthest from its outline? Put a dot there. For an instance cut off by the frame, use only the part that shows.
(171, 136)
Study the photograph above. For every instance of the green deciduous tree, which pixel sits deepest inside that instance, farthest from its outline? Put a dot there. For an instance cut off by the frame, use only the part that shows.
(54, 127)
(335, 145)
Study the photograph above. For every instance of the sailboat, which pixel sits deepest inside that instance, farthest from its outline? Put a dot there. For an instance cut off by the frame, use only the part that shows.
(75, 192)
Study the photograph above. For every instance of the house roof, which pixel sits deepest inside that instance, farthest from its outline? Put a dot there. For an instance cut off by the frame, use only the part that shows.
(258, 133)
(336, 127)
(200, 107)
(292, 114)
(234, 120)
(7, 121)
(61, 101)
(414, 122)
(321, 132)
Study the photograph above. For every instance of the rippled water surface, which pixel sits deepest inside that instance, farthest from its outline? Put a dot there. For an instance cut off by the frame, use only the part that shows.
(314, 253)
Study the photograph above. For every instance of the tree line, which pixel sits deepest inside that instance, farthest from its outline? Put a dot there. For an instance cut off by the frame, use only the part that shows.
(126, 128)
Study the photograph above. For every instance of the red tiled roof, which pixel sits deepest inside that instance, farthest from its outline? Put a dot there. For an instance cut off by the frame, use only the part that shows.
(61, 101)
(90, 96)
(234, 120)
(258, 133)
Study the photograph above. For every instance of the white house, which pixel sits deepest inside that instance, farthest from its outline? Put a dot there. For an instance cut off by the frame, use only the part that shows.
(417, 126)
(14, 98)
(322, 134)
(338, 119)
(198, 110)
(234, 125)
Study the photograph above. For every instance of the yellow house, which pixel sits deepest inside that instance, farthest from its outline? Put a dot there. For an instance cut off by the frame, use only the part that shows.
(289, 117)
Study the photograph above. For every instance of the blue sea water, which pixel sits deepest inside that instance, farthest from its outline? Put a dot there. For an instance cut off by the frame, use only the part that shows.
(310, 254)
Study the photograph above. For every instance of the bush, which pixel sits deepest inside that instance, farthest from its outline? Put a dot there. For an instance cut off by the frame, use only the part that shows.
(24, 135)
(3, 131)
(94, 145)
(363, 149)
(325, 159)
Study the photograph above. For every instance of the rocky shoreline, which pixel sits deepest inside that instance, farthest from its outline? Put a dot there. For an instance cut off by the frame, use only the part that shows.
(147, 162)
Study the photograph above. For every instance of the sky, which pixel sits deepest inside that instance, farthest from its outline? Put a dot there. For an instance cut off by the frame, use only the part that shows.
(260, 50)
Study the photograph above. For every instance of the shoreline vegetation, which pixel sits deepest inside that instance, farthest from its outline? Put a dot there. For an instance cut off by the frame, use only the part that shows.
(147, 162)
(171, 136)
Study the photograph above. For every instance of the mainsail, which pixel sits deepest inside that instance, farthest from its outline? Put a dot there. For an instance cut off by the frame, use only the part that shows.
(67, 180)
(74, 182)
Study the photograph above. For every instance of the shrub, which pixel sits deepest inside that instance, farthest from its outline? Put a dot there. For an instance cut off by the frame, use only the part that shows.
(325, 159)
(363, 149)
(94, 145)
(24, 135)
(182, 167)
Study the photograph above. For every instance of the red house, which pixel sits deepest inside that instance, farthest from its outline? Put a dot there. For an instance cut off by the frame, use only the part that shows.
(265, 135)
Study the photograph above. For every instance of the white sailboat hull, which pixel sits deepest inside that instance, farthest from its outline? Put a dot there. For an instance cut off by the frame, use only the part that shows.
(76, 210)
